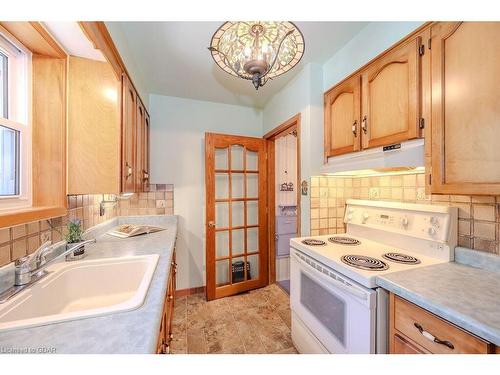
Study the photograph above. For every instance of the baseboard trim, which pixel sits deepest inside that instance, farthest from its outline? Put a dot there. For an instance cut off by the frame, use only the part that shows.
(189, 291)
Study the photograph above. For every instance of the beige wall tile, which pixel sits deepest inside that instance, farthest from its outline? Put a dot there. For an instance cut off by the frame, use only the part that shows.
(484, 245)
(484, 230)
(18, 231)
(4, 235)
(483, 212)
(483, 199)
(19, 248)
(4, 254)
(464, 227)
(409, 180)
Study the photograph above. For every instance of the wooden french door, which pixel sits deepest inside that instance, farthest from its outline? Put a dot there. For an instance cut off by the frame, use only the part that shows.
(236, 217)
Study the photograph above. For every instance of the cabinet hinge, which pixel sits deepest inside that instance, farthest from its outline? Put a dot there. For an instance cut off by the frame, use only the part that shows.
(421, 50)
(421, 123)
(430, 179)
(429, 43)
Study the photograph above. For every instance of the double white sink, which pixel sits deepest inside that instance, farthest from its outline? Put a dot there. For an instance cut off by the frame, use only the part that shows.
(80, 290)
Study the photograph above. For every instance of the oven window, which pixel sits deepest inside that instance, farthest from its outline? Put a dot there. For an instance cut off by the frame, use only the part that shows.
(328, 309)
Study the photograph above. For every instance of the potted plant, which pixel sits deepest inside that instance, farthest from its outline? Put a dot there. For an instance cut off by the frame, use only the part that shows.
(74, 235)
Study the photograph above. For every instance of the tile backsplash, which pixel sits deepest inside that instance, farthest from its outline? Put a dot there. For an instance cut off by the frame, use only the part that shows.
(479, 216)
(23, 239)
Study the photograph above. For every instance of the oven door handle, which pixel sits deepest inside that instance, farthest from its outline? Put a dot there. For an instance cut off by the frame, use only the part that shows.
(349, 289)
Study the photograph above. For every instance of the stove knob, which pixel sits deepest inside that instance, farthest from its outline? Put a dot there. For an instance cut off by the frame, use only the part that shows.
(431, 231)
(349, 217)
(434, 220)
(404, 221)
(365, 217)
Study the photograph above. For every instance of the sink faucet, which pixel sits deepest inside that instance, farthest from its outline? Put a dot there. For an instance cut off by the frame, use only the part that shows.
(24, 274)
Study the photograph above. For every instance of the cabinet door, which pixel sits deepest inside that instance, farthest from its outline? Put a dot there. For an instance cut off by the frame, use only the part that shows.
(390, 91)
(146, 149)
(140, 118)
(342, 118)
(465, 107)
(129, 107)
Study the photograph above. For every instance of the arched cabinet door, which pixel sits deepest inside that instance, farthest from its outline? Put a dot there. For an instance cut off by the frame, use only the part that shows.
(391, 97)
(342, 118)
(465, 107)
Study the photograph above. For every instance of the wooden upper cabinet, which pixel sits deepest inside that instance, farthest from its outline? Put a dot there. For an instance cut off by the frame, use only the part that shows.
(390, 96)
(342, 118)
(465, 107)
(93, 127)
(140, 145)
(146, 152)
(129, 109)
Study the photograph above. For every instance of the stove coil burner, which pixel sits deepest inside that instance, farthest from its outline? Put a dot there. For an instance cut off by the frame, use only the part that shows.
(344, 240)
(364, 262)
(313, 242)
(401, 258)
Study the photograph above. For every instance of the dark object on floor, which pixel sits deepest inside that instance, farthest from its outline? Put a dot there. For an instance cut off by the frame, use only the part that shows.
(285, 285)
(238, 271)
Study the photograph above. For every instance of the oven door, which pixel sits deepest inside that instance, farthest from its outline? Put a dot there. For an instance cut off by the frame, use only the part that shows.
(340, 313)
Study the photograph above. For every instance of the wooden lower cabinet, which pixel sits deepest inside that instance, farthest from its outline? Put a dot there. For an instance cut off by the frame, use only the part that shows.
(413, 330)
(165, 335)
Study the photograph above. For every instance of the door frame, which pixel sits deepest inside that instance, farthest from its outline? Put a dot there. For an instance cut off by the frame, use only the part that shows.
(289, 125)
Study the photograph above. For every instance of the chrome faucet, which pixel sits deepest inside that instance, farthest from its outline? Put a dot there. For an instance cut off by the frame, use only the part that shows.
(25, 275)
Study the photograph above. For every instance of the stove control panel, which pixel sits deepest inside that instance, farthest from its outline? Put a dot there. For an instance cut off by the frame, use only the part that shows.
(423, 221)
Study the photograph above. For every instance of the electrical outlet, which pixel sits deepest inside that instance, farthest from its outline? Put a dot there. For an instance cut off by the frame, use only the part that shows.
(374, 193)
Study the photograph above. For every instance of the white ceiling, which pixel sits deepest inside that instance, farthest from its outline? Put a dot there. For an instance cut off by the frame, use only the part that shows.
(173, 59)
(73, 40)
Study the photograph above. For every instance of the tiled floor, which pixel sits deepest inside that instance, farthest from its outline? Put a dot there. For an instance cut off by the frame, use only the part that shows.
(253, 322)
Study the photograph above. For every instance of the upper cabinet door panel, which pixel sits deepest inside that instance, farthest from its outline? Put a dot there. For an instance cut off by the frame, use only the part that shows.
(129, 104)
(391, 97)
(466, 107)
(139, 131)
(342, 118)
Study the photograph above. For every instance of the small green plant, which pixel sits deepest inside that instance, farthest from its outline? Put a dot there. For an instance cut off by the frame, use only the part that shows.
(75, 231)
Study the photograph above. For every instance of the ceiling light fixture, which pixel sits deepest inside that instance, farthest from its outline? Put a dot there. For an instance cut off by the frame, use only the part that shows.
(256, 50)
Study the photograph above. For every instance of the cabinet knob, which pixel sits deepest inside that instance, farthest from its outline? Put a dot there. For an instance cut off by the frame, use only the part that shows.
(145, 175)
(170, 297)
(211, 224)
(364, 126)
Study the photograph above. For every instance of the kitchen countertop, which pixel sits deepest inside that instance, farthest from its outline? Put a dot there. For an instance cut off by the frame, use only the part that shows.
(133, 331)
(463, 294)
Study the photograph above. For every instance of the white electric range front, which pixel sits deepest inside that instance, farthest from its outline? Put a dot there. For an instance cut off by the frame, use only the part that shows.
(336, 304)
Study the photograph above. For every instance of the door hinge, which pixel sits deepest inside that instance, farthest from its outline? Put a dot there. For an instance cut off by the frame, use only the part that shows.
(421, 123)
(421, 50)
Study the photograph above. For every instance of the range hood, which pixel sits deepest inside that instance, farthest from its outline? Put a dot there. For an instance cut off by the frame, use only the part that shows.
(405, 155)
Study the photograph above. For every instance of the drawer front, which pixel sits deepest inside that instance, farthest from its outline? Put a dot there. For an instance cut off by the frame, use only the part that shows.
(283, 244)
(286, 224)
(421, 326)
(401, 346)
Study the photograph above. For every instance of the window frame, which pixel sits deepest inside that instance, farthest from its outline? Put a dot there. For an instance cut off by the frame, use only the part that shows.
(19, 117)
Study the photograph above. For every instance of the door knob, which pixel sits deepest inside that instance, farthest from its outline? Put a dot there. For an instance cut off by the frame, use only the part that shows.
(211, 224)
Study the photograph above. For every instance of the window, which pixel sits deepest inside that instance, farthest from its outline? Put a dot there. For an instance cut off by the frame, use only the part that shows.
(15, 129)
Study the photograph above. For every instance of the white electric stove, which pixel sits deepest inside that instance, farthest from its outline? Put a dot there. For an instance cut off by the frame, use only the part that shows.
(336, 304)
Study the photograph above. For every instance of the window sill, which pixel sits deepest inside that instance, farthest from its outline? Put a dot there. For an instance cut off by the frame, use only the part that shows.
(11, 218)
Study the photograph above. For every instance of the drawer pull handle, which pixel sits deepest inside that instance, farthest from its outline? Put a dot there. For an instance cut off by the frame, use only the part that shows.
(432, 338)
